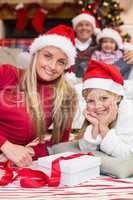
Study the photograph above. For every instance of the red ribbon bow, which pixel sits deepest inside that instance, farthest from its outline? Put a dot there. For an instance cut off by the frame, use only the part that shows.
(30, 178)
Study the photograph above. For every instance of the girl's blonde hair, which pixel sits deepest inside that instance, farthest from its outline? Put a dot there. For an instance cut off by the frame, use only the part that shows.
(64, 108)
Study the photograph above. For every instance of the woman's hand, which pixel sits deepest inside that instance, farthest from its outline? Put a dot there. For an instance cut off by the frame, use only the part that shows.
(20, 155)
(107, 119)
(128, 57)
(36, 141)
(92, 118)
(3, 158)
(33, 143)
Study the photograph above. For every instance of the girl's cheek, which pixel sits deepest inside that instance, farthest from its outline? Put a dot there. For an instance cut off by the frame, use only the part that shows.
(108, 104)
(90, 108)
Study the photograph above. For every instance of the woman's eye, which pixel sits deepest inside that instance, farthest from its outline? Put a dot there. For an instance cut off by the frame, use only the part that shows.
(47, 56)
(62, 62)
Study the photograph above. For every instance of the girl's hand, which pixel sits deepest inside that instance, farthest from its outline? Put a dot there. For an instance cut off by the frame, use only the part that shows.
(20, 155)
(92, 118)
(128, 57)
(107, 119)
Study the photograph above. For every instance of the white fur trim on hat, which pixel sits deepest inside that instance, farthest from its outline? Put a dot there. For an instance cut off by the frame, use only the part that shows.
(110, 33)
(82, 17)
(58, 41)
(105, 84)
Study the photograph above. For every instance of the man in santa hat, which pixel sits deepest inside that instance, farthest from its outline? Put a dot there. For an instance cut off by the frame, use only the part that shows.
(84, 25)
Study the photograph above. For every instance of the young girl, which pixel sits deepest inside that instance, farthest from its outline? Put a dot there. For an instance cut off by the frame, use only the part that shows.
(110, 43)
(108, 126)
(32, 100)
(111, 50)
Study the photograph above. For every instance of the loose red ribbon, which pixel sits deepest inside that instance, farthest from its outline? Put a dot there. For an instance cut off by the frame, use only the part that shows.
(30, 178)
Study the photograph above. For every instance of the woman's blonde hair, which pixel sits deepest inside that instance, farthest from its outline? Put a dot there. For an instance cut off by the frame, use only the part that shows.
(64, 108)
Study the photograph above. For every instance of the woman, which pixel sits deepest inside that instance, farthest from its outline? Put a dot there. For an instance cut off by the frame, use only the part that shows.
(108, 126)
(33, 100)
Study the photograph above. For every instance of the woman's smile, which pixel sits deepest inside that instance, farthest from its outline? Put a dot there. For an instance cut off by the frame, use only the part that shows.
(48, 72)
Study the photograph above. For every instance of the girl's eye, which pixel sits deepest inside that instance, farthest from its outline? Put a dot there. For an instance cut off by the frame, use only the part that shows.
(89, 101)
(104, 98)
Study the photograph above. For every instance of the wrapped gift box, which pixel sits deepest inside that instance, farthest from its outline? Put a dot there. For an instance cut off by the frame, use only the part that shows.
(73, 171)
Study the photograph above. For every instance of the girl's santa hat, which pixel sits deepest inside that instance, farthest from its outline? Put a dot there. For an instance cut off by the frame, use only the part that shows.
(84, 16)
(110, 33)
(103, 76)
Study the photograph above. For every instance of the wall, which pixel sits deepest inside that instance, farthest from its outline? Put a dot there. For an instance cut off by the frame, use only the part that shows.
(127, 16)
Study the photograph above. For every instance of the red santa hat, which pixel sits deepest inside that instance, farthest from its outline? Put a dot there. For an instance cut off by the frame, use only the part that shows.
(110, 33)
(103, 76)
(85, 15)
(62, 37)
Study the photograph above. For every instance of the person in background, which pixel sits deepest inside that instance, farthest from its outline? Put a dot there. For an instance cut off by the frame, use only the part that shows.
(108, 114)
(84, 26)
(33, 99)
(110, 50)
(109, 45)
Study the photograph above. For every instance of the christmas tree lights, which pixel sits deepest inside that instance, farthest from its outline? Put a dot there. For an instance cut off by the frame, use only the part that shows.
(106, 12)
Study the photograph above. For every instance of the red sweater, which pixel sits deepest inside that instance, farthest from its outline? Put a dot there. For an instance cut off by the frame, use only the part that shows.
(16, 125)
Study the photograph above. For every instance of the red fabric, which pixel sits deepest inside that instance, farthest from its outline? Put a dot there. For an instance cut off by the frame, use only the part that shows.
(99, 69)
(38, 20)
(87, 12)
(15, 122)
(34, 178)
(2, 140)
(41, 150)
(64, 31)
(8, 176)
(22, 19)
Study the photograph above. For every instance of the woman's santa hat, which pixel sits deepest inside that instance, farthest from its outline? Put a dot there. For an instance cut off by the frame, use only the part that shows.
(61, 36)
(103, 76)
(84, 16)
(110, 33)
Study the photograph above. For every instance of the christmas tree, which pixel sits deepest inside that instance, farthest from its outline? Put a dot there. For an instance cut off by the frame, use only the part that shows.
(106, 12)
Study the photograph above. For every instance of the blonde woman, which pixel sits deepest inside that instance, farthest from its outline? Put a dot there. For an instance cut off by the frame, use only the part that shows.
(33, 100)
